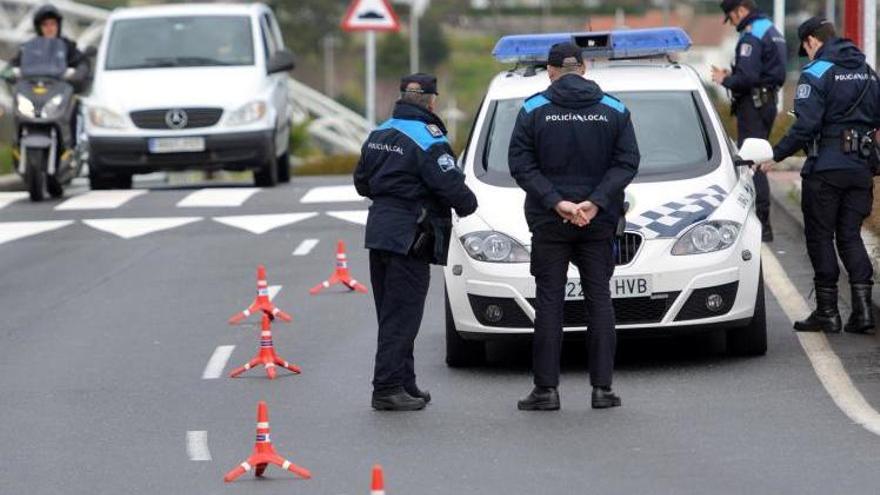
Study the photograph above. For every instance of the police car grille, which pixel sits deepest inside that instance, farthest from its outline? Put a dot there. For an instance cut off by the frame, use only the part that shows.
(196, 117)
(628, 246)
(627, 311)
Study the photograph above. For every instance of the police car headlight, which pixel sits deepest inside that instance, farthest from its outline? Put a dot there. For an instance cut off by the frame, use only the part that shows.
(494, 247)
(106, 118)
(52, 108)
(707, 237)
(248, 114)
(25, 106)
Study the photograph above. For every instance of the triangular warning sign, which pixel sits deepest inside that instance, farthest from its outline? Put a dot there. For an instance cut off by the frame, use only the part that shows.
(370, 15)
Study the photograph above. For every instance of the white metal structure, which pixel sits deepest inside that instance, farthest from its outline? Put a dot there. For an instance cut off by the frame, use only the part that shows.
(333, 125)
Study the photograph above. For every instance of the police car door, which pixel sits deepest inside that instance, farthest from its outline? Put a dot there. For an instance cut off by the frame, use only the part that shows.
(272, 44)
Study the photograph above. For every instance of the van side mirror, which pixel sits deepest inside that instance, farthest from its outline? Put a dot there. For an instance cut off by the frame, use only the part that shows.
(753, 152)
(282, 61)
(90, 52)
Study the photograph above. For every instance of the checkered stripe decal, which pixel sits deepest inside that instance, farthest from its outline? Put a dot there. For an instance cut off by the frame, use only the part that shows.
(672, 218)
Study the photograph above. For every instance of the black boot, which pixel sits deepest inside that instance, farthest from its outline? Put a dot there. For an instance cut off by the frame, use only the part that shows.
(397, 400)
(826, 317)
(766, 232)
(414, 391)
(603, 398)
(862, 318)
(541, 399)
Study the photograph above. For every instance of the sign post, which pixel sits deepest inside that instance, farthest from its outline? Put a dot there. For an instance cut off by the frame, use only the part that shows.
(370, 16)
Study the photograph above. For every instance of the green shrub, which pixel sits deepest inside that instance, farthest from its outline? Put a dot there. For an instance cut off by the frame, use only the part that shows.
(328, 165)
(6, 162)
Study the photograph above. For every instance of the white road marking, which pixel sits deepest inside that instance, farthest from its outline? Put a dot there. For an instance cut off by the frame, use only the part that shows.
(274, 290)
(332, 194)
(10, 231)
(305, 247)
(197, 446)
(354, 216)
(218, 197)
(100, 200)
(260, 224)
(129, 228)
(217, 363)
(826, 363)
(7, 198)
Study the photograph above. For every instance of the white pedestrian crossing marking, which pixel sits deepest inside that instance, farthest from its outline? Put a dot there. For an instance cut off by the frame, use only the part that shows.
(260, 224)
(10, 231)
(331, 194)
(218, 197)
(305, 247)
(354, 216)
(129, 228)
(197, 446)
(100, 200)
(7, 198)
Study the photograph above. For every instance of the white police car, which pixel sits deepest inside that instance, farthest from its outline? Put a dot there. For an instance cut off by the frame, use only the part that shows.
(690, 258)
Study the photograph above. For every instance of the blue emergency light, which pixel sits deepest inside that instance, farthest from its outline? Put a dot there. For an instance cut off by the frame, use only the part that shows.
(619, 44)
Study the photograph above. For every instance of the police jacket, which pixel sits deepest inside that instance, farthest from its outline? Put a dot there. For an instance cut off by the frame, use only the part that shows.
(573, 142)
(827, 89)
(407, 166)
(760, 56)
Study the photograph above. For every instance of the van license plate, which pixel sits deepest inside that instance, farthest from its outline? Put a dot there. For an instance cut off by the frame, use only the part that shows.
(176, 145)
(621, 287)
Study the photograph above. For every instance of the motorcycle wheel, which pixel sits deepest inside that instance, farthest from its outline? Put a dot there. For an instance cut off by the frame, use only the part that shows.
(34, 175)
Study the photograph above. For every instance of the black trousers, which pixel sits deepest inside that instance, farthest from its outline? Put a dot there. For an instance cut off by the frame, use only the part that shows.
(835, 203)
(591, 249)
(754, 122)
(400, 286)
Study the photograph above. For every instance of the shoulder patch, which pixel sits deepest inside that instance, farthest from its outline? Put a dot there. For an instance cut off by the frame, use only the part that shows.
(434, 130)
(416, 130)
(760, 27)
(534, 102)
(745, 50)
(446, 162)
(818, 68)
(610, 101)
(803, 92)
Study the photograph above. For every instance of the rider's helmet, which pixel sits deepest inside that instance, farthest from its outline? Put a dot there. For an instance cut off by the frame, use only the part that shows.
(47, 11)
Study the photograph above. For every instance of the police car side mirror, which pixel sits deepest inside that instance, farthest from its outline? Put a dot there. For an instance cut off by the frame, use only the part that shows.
(282, 61)
(753, 152)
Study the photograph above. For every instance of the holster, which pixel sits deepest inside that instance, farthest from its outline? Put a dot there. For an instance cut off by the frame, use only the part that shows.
(423, 244)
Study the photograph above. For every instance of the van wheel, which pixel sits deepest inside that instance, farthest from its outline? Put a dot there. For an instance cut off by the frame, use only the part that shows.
(461, 353)
(751, 340)
(56, 190)
(267, 175)
(284, 168)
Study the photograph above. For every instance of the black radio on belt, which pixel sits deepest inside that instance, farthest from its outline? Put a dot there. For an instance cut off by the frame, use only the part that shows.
(763, 96)
(850, 141)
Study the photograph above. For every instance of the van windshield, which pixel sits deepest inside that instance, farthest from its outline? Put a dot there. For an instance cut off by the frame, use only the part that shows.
(201, 41)
(670, 128)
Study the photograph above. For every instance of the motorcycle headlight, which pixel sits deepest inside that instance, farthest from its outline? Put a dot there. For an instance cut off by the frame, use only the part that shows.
(52, 107)
(249, 113)
(707, 237)
(494, 247)
(105, 118)
(25, 106)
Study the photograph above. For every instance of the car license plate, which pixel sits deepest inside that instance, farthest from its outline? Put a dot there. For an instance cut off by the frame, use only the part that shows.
(177, 145)
(621, 287)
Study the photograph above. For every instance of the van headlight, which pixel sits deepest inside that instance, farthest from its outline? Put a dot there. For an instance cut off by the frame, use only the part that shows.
(52, 108)
(247, 114)
(25, 106)
(707, 237)
(106, 118)
(494, 247)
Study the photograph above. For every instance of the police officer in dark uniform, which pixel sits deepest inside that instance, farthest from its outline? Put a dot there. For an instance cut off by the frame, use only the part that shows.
(573, 151)
(837, 103)
(409, 171)
(758, 73)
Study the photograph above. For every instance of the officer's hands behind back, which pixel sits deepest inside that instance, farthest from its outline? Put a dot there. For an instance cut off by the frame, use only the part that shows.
(579, 214)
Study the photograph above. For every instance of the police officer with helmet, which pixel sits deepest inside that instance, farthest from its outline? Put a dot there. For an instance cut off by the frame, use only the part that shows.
(758, 73)
(837, 104)
(573, 151)
(408, 169)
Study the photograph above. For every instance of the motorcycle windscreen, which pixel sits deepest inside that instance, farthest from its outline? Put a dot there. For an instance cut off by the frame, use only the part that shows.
(44, 57)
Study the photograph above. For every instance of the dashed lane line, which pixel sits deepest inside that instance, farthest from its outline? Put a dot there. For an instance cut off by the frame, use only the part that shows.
(215, 366)
(197, 446)
(305, 247)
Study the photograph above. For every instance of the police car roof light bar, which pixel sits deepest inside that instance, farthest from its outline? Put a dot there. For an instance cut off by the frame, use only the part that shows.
(619, 44)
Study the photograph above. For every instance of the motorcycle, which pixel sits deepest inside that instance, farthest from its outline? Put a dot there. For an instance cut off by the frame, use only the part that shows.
(45, 118)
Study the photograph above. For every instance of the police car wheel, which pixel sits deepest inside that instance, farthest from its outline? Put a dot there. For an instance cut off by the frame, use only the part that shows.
(460, 352)
(751, 340)
(267, 175)
(284, 168)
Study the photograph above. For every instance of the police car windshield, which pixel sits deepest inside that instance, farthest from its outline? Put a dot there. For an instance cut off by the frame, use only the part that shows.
(670, 129)
(200, 41)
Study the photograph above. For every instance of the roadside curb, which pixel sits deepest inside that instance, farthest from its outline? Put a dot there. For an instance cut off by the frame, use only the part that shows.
(10, 182)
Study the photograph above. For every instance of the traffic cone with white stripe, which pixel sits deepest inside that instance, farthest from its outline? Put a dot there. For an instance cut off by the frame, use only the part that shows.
(341, 275)
(266, 356)
(264, 453)
(261, 302)
(378, 485)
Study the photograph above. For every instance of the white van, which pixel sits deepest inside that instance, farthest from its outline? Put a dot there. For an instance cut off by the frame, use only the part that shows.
(189, 87)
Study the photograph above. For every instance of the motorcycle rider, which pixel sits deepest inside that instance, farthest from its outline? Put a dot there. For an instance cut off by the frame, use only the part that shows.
(47, 24)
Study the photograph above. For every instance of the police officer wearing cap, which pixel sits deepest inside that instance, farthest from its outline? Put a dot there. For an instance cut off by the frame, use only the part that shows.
(573, 151)
(837, 104)
(408, 169)
(758, 73)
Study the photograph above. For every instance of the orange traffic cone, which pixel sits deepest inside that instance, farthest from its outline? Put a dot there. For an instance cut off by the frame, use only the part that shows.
(341, 275)
(266, 356)
(261, 302)
(264, 453)
(378, 485)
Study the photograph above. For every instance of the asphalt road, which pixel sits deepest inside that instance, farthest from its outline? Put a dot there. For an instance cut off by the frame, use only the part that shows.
(105, 336)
